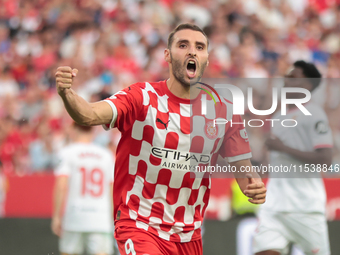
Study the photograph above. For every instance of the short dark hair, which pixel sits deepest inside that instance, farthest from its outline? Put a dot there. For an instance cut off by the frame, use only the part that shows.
(310, 71)
(182, 27)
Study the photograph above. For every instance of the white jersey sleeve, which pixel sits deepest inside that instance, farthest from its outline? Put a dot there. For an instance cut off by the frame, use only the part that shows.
(64, 164)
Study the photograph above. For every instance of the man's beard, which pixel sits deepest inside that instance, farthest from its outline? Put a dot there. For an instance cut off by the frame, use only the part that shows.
(177, 70)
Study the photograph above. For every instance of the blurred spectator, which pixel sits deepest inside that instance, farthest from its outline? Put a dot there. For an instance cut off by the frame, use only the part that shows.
(10, 143)
(9, 87)
(42, 151)
(32, 105)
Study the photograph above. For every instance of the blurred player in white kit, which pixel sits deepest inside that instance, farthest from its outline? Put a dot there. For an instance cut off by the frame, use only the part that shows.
(84, 180)
(295, 207)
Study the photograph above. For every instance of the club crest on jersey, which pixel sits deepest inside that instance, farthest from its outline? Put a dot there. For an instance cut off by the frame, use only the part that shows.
(321, 127)
(210, 130)
(244, 134)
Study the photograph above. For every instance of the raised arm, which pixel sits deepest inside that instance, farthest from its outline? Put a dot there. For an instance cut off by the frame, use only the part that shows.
(81, 111)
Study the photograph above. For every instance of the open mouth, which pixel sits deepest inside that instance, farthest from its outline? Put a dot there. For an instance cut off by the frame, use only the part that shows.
(191, 69)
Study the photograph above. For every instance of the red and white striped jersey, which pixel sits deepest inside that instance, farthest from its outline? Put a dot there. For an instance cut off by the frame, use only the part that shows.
(163, 138)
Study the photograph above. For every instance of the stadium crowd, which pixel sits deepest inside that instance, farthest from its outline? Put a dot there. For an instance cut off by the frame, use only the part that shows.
(116, 43)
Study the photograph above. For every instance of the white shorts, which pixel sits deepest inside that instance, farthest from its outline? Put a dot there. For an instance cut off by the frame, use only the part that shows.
(276, 230)
(74, 242)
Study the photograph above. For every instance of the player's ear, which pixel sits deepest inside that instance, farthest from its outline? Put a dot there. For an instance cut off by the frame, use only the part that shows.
(167, 56)
(207, 62)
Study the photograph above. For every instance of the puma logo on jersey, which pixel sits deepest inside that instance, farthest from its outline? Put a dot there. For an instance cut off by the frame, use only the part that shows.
(165, 124)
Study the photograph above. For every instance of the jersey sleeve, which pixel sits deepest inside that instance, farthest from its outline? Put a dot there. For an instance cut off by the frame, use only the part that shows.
(235, 145)
(126, 105)
(319, 130)
(63, 167)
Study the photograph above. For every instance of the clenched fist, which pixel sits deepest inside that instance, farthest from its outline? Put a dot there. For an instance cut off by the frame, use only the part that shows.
(64, 78)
